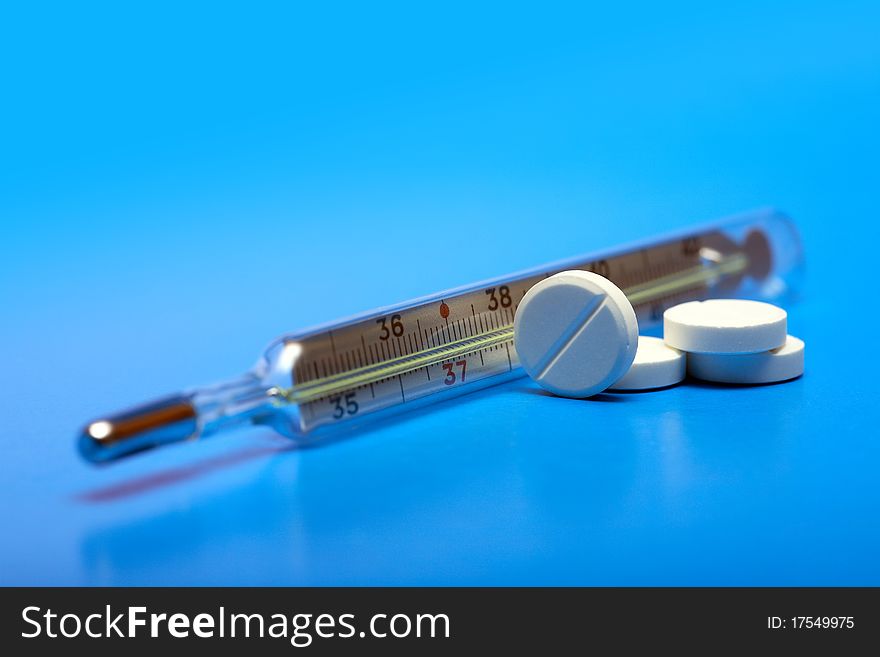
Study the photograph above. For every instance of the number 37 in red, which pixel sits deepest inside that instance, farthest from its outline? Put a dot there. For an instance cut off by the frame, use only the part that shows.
(450, 371)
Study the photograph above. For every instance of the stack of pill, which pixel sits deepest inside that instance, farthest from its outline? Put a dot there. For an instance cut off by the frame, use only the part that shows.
(576, 335)
(734, 341)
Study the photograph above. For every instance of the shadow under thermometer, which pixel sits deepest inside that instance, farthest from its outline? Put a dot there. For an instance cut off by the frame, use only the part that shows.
(333, 377)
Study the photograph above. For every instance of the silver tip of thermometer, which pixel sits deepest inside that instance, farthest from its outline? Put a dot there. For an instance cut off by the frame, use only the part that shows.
(439, 346)
(157, 423)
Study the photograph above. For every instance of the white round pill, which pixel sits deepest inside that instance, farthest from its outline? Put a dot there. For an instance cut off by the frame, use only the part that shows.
(656, 365)
(575, 333)
(725, 326)
(786, 362)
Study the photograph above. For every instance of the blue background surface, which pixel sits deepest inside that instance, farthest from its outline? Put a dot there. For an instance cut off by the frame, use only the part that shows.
(180, 184)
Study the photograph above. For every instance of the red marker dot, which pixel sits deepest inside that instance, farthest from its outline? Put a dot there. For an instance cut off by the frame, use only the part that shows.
(444, 310)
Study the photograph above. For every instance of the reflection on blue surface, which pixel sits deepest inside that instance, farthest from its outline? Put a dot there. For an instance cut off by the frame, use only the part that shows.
(168, 210)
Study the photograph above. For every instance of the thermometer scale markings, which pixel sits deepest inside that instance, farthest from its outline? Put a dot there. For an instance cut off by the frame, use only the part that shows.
(448, 335)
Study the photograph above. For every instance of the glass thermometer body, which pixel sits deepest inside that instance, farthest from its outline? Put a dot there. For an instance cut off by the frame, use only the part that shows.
(333, 377)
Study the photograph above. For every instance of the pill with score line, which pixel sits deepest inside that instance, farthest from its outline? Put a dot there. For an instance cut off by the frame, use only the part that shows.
(656, 365)
(576, 333)
(725, 326)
